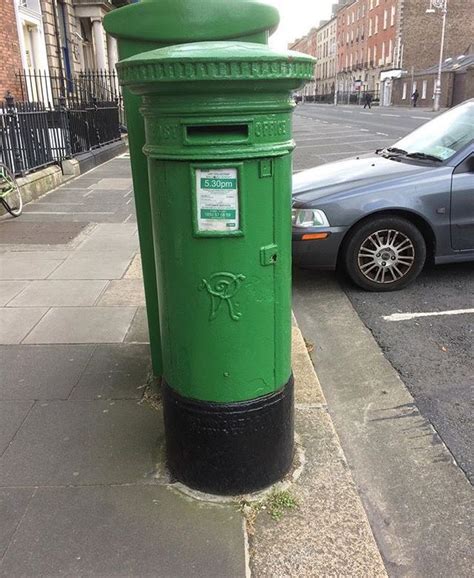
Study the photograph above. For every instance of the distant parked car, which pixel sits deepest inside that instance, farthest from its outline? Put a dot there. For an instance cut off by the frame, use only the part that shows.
(381, 216)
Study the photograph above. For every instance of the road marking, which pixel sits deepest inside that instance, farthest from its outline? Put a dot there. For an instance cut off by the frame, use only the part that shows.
(364, 129)
(397, 115)
(408, 316)
(365, 112)
(382, 133)
(348, 111)
(421, 117)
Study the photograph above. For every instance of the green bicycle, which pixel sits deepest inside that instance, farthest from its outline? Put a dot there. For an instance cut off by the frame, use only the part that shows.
(10, 195)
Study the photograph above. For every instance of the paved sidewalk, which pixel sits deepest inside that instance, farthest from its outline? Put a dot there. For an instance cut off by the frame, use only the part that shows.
(78, 450)
(83, 491)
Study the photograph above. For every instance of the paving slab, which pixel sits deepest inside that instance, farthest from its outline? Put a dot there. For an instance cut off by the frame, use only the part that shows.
(83, 443)
(138, 332)
(98, 242)
(115, 372)
(17, 322)
(12, 414)
(60, 293)
(13, 504)
(113, 183)
(119, 357)
(82, 325)
(41, 371)
(10, 289)
(111, 229)
(18, 233)
(124, 292)
(94, 265)
(135, 269)
(27, 265)
(125, 531)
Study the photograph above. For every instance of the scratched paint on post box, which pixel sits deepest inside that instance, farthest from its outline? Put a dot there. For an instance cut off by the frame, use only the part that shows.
(217, 203)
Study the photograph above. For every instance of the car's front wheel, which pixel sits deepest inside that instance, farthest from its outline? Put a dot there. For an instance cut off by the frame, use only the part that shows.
(384, 254)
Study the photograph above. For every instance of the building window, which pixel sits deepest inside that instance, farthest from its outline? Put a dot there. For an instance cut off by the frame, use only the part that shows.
(424, 88)
(382, 60)
(385, 19)
(353, 17)
(371, 4)
(376, 24)
(390, 51)
(348, 19)
(370, 26)
(375, 55)
(413, 87)
(404, 93)
(363, 10)
(392, 17)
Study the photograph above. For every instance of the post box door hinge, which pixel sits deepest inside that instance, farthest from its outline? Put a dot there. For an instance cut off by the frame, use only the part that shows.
(268, 255)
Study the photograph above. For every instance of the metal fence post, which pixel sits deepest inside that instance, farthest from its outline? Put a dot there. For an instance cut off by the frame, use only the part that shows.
(15, 138)
(64, 123)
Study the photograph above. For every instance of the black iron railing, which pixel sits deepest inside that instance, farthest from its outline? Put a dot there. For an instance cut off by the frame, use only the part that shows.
(55, 118)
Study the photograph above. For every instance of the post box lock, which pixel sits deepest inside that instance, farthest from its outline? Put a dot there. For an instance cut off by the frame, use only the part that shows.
(268, 255)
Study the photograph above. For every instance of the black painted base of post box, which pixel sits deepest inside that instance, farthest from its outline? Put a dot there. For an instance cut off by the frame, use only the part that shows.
(229, 448)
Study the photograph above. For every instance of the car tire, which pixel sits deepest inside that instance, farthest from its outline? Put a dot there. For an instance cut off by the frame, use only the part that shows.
(384, 254)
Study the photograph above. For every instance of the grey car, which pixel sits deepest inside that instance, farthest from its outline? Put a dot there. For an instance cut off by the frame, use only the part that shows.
(382, 216)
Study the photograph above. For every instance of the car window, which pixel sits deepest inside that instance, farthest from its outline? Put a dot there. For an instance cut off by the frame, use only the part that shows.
(443, 136)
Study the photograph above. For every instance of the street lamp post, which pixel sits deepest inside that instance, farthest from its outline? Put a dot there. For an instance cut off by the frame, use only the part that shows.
(443, 6)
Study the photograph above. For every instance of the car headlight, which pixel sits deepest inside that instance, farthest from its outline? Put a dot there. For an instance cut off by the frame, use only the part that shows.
(309, 218)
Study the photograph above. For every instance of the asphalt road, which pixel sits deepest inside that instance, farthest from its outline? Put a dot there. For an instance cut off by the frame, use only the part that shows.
(432, 354)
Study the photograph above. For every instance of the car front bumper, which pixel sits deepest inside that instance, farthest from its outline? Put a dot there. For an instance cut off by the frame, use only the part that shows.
(317, 254)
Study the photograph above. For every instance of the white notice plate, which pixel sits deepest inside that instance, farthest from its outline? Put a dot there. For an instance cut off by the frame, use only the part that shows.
(217, 192)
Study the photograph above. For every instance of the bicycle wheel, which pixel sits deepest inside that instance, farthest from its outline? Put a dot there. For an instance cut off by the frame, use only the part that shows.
(10, 195)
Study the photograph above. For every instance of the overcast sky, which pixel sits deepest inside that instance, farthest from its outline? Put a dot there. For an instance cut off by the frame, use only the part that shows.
(297, 18)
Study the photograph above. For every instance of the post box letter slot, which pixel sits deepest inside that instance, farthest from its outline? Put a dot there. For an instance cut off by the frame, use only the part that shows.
(217, 133)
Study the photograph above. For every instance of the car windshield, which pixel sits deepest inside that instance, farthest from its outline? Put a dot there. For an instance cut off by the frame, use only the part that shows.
(442, 137)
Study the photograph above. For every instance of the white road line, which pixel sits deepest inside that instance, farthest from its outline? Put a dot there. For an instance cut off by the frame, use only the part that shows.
(382, 133)
(408, 316)
(397, 115)
(421, 117)
(366, 113)
(348, 111)
(364, 129)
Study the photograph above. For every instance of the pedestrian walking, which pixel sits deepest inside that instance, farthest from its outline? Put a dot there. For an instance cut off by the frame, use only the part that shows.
(415, 97)
(368, 100)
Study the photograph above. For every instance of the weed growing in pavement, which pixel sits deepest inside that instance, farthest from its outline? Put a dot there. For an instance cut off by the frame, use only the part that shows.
(275, 505)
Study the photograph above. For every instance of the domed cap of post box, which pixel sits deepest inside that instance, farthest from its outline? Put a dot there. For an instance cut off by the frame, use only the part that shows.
(208, 64)
(177, 21)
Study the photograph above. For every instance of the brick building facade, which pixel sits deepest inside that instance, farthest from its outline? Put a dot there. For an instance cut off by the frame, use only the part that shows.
(10, 61)
(380, 40)
(308, 45)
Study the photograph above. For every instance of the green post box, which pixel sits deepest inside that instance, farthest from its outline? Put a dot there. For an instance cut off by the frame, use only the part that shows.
(154, 24)
(219, 141)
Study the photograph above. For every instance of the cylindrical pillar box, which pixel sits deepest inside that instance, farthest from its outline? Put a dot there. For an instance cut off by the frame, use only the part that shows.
(219, 142)
(154, 24)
